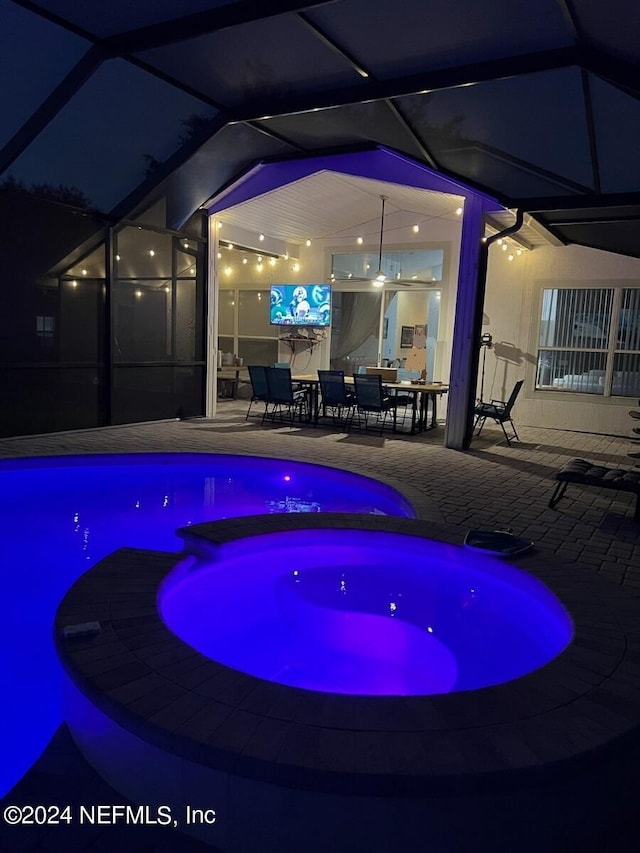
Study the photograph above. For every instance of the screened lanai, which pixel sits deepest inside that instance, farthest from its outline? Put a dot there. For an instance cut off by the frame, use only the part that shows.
(121, 121)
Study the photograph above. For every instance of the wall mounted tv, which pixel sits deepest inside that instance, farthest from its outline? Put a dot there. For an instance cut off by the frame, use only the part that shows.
(300, 305)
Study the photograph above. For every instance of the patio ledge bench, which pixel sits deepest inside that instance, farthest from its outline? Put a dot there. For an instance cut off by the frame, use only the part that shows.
(592, 474)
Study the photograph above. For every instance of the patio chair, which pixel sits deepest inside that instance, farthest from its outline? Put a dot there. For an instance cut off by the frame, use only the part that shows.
(372, 399)
(259, 388)
(498, 411)
(335, 395)
(286, 401)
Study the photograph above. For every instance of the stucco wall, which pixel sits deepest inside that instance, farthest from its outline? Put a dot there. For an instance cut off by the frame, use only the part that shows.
(511, 316)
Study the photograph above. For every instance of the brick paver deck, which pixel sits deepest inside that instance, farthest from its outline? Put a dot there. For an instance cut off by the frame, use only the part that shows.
(490, 486)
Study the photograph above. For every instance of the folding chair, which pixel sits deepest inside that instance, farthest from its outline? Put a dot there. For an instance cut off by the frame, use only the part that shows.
(284, 398)
(259, 388)
(500, 412)
(371, 399)
(335, 395)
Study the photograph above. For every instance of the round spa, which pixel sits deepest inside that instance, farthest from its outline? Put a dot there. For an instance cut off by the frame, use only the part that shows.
(363, 612)
(327, 681)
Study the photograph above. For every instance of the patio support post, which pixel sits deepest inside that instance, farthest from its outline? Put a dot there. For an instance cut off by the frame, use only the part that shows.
(467, 327)
(212, 320)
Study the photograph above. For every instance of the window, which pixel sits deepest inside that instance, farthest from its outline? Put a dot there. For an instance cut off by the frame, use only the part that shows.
(590, 341)
(423, 265)
(45, 330)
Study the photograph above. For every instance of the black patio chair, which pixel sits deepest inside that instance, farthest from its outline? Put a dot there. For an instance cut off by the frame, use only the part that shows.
(286, 401)
(372, 399)
(498, 411)
(259, 388)
(336, 396)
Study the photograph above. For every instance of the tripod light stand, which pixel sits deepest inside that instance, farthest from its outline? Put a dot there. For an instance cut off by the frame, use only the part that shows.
(486, 342)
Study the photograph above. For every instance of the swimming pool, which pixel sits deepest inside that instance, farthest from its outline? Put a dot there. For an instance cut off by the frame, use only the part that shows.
(60, 515)
(364, 612)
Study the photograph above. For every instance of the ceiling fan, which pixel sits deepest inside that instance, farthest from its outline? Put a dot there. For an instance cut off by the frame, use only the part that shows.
(380, 277)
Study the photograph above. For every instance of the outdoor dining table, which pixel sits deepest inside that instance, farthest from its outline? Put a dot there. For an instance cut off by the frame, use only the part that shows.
(420, 393)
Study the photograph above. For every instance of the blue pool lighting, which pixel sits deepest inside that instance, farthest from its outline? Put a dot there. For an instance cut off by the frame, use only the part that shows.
(60, 515)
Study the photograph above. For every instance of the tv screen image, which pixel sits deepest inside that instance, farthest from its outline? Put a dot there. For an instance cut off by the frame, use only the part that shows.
(300, 305)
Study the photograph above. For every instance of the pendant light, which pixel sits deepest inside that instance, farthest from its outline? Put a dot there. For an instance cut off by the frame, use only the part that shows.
(380, 276)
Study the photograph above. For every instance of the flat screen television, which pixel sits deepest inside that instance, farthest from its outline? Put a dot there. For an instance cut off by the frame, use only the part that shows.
(300, 305)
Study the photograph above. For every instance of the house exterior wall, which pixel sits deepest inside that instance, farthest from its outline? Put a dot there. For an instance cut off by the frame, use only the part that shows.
(511, 316)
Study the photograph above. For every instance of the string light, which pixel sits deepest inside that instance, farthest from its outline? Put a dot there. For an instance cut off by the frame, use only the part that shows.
(261, 237)
(359, 241)
(416, 229)
(307, 243)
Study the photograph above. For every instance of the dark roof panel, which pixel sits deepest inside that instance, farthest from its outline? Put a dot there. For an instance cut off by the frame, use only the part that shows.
(116, 129)
(347, 126)
(115, 16)
(617, 132)
(392, 38)
(275, 57)
(35, 57)
(537, 119)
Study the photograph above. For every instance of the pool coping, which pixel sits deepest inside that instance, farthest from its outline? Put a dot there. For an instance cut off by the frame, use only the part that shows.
(580, 709)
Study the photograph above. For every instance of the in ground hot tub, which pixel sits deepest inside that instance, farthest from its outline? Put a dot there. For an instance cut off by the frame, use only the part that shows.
(364, 612)
(295, 701)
